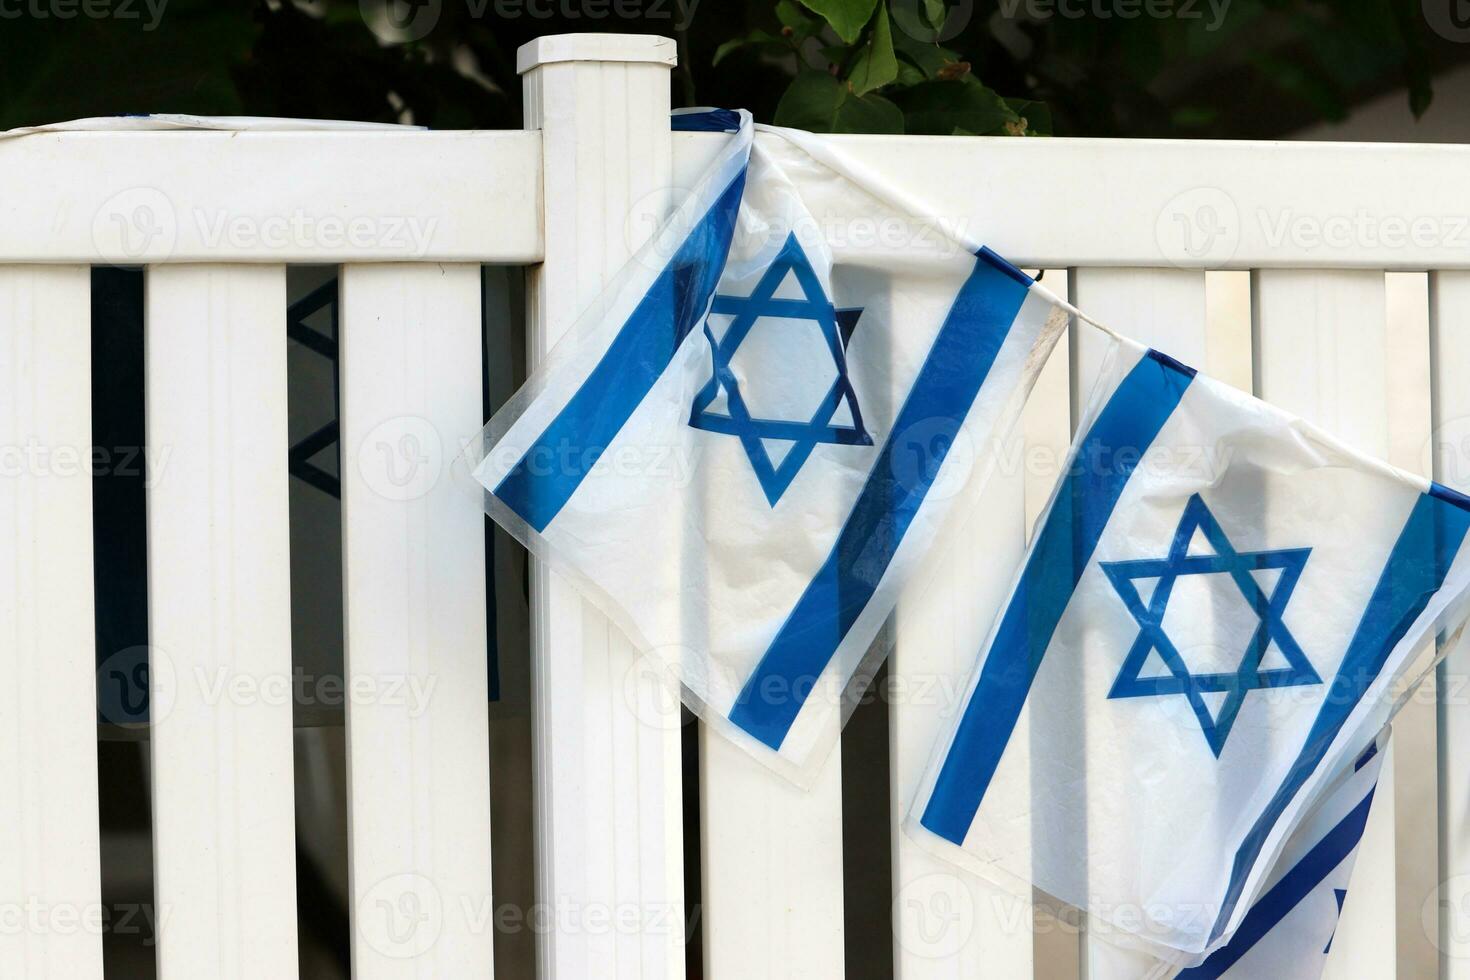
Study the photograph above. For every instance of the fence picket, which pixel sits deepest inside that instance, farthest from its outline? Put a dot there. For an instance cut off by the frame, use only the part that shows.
(1449, 310)
(1160, 307)
(1415, 728)
(1046, 429)
(1323, 352)
(949, 924)
(48, 757)
(219, 609)
(772, 867)
(414, 580)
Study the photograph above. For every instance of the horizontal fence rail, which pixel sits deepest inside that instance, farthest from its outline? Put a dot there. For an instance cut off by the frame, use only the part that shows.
(1197, 204)
(306, 197)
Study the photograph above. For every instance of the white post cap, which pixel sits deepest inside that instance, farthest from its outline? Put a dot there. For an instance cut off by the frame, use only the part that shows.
(596, 47)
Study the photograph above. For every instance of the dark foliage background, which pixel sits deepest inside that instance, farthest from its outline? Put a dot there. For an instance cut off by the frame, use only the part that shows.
(1219, 68)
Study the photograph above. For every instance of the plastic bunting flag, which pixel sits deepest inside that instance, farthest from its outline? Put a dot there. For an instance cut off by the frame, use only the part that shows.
(1219, 611)
(742, 449)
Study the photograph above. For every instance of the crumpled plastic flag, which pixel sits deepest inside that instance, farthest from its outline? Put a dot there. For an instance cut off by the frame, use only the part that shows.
(1220, 609)
(741, 450)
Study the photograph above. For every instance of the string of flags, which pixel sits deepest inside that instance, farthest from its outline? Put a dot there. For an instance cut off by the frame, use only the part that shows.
(747, 444)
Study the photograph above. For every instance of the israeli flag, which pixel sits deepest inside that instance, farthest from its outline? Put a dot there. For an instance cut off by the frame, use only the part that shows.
(742, 449)
(1289, 931)
(1215, 616)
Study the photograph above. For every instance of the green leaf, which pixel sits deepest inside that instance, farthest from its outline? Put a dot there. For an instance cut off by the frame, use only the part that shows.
(928, 58)
(847, 17)
(922, 20)
(1304, 82)
(1037, 115)
(729, 47)
(908, 74)
(1194, 116)
(801, 23)
(1416, 61)
(1421, 94)
(818, 102)
(756, 38)
(937, 108)
(876, 65)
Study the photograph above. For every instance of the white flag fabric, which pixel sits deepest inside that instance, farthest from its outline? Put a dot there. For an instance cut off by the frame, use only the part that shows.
(1290, 929)
(739, 453)
(157, 121)
(1215, 615)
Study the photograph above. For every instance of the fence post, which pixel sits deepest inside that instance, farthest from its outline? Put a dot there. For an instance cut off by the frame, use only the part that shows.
(48, 760)
(608, 806)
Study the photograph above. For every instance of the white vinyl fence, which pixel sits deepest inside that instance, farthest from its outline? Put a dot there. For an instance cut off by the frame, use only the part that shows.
(1333, 280)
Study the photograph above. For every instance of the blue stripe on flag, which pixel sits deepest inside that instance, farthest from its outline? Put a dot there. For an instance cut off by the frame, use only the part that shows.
(1415, 570)
(552, 469)
(947, 384)
(1125, 428)
(1287, 893)
(1366, 757)
(706, 121)
(1000, 262)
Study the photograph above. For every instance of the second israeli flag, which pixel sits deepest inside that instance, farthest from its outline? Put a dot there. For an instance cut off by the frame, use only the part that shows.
(1213, 621)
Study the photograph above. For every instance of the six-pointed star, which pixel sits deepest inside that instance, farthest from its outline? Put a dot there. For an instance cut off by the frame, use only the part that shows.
(1150, 616)
(836, 327)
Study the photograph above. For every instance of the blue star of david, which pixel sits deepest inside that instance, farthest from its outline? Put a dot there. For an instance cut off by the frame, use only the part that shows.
(836, 327)
(1150, 617)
